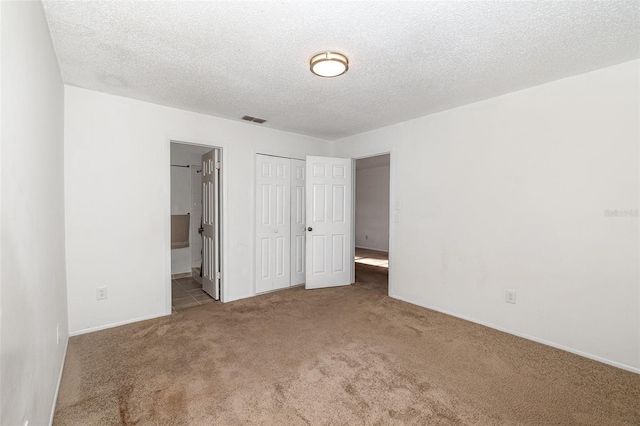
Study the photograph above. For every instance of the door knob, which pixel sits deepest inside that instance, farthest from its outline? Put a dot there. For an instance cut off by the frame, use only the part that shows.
(276, 231)
(309, 229)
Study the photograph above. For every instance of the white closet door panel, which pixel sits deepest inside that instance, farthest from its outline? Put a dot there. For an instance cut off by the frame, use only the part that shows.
(298, 220)
(273, 224)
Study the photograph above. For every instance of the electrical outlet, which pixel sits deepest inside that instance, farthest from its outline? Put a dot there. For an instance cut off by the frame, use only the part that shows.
(58, 334)
(101, 293)
(511, 296)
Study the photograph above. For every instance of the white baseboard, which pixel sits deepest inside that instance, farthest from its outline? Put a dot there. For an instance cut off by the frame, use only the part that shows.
(55, 396)
(374, 249)
(182, 275)
(528, 337)
(115, 324)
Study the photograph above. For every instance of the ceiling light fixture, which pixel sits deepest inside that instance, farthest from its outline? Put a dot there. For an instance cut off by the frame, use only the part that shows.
(329, 64)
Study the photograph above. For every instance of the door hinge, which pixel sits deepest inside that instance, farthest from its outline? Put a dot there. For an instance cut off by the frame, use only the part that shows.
(218, 275)
(218, 165)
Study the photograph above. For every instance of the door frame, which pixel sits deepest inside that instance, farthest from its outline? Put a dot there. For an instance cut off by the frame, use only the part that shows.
(392, 210)
(224, 243)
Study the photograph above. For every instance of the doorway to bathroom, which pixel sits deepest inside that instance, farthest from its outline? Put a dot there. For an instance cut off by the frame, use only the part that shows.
(195, 224)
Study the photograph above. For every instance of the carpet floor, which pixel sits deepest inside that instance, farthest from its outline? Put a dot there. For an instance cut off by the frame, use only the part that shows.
(348, 355)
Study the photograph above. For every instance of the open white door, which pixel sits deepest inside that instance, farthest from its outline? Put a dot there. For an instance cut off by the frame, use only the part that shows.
(329, 256)
(211, 223)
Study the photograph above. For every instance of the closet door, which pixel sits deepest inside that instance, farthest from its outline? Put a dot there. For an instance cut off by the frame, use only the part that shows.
(297, 221)
(273, 223)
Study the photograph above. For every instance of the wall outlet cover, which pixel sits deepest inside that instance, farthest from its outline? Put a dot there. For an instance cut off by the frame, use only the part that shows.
(101, 293)
(511, 296)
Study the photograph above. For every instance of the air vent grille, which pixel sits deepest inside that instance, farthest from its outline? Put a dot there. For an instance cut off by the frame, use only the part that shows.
(254, 119)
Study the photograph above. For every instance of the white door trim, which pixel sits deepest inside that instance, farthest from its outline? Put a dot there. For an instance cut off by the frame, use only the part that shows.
(185, 140)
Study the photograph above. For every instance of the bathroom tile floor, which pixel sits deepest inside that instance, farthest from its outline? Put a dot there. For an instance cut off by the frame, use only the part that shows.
(187, 292)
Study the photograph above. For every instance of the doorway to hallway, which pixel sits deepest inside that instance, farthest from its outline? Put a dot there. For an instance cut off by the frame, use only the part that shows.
(371, 204)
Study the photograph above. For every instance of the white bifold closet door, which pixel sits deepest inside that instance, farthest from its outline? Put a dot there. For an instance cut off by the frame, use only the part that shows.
(273, 223)
(297, 222)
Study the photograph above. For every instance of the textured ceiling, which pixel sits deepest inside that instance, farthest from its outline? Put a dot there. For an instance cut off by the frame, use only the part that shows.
(407, 59)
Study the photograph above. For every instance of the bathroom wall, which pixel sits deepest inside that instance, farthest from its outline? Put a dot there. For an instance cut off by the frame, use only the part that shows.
(182, 199)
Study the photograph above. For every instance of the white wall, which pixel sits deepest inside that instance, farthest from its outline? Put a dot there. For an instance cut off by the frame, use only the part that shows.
(510, 193)
(32, 277)
(180, 205)
(372, 208)
(117, 187)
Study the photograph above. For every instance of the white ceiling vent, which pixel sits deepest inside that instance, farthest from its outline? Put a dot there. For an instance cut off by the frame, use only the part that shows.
(255, 120)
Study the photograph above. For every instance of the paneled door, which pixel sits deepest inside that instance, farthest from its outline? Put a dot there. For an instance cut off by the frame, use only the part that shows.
(328, 192)
(211, 223)
(297, 221)
(273, 223)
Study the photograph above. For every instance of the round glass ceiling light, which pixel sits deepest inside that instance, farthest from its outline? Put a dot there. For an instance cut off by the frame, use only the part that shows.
(329, 64)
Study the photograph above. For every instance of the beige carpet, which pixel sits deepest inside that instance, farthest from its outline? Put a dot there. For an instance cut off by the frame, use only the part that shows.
(347, 355)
